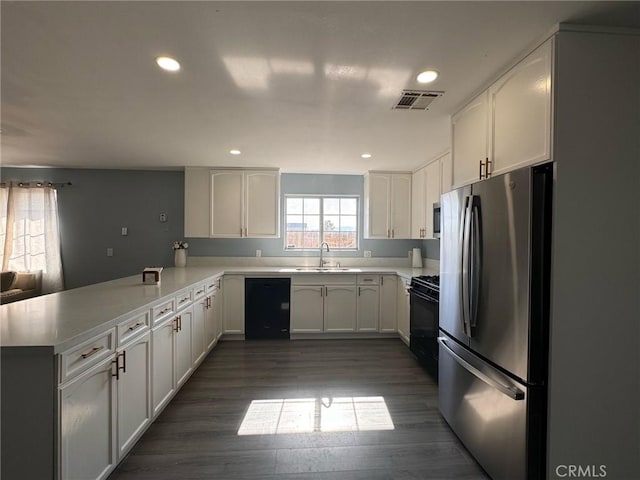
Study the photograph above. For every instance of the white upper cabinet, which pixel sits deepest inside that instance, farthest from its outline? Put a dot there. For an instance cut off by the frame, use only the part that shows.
(418, 204)
(446, 173)
(196, 202)
(262, 203)
(521, 113)
(231, 203)
(387, 205)
(425, 191)
(469, 140)
(508, 125)
(432, 193)
(245, 203)
(227, 205)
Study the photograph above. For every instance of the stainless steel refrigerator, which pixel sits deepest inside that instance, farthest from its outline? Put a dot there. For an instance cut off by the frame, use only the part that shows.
(494, 316)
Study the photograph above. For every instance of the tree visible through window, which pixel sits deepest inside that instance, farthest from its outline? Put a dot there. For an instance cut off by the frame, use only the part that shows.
(313, 220)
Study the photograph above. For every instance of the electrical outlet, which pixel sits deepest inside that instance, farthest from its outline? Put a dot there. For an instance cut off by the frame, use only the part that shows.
(109, 252)
(367, 254)
(258, 253)
(124, 231)
(162, 217)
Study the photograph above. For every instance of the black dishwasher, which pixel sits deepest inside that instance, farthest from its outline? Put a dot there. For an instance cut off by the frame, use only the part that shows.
(266, 308)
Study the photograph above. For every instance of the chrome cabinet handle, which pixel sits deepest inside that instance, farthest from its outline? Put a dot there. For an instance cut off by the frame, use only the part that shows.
(137, 325)
(122, 354)
(117, 374)
(92, 352)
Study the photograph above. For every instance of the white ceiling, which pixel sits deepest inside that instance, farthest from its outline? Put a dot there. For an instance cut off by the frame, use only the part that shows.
(304, 86)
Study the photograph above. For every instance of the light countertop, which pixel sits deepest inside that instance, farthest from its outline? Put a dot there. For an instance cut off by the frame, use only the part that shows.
(60, 320)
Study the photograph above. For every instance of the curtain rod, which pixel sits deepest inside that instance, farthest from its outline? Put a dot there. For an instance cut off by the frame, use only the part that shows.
(35, 184)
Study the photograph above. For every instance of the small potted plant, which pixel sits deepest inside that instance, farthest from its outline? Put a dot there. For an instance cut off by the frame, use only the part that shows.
(180, 253)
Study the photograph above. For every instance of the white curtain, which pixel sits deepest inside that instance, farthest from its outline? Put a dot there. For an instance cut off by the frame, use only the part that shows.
(29, 234)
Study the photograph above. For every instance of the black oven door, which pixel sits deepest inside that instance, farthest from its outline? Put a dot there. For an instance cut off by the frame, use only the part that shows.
(423, 340)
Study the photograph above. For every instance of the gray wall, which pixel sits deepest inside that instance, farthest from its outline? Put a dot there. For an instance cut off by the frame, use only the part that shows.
(296, 183)
(100, 202)
(594, 411)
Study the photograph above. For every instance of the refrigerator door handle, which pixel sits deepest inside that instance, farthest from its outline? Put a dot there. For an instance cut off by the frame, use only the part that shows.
(475, 263)
(465, 246)
(511, 392)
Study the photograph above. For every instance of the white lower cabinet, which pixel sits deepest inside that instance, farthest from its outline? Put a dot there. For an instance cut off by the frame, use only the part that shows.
(199, 341)
(340, 308)
(211, 317)
(388, 303)
(323, 303)
(233, 304)
(134, 391)
(403, 310)
(162, 363)
(368, 308)
(87, 424)
(307, 309)
(183, 349)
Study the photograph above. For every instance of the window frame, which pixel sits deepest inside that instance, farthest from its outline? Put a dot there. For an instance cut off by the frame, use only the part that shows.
(321, 197)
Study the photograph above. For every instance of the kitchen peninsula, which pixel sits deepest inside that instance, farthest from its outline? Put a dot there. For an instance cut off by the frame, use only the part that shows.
(92, 351)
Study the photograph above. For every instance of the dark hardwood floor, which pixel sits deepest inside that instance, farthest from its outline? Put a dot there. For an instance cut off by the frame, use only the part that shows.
(346, 391)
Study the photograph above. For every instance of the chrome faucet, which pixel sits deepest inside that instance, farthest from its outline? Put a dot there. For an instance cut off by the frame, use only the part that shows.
(323, 262)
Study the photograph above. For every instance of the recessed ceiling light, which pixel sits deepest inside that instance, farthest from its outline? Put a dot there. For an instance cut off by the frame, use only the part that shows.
(366, 155)
(167, 63)
(427, 76)
(235, 152)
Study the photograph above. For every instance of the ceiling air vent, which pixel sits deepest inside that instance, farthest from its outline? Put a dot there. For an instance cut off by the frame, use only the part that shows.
(416, 99)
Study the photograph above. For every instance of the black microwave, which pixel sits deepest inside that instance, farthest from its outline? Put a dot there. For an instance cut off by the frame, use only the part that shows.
(436, 220)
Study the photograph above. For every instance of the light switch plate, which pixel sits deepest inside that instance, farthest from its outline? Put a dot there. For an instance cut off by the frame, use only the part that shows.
(258, 253)
(367, 253)
(109, 252)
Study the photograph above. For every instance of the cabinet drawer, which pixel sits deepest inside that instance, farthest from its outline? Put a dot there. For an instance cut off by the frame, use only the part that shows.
(85, 355)
(183, 299)
(162, 310)
(368, 279)
(132, 326)
(199, 291)
(212, 284)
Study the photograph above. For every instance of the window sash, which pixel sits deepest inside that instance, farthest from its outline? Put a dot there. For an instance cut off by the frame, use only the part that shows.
(339, 230)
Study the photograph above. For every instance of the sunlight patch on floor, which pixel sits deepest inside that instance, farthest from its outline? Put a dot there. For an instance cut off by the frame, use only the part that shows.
(307, 415)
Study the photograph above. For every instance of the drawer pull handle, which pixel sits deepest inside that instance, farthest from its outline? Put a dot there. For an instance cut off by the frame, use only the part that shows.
(199, 292)
(137, 325)
(164, 310)
(184, 299)
(92, 352)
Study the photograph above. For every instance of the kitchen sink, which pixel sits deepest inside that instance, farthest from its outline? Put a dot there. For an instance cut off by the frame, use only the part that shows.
(320, 269)
(324, 269)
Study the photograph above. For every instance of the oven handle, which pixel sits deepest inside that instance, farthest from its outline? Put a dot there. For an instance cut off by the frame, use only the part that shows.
(422, 296)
